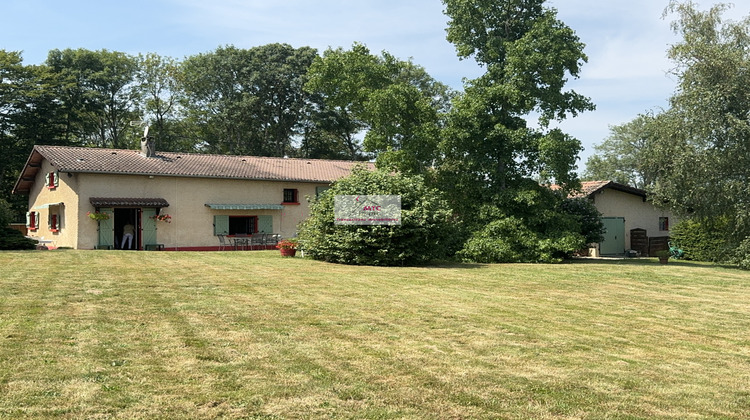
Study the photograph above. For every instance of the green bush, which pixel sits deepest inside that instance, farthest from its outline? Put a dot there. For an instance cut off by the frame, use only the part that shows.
(427, 231)
(509, 240)
(742, 255)
(13, 239)
(703, 239)
(544, 226)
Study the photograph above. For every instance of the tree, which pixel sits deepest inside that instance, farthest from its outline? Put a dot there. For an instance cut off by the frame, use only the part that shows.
(160, 96)
(623, 157)
(489, 150)
(700, 154)
(28, 116)
(13, 91)
(247, 101)
(98, 94)
(396, 103)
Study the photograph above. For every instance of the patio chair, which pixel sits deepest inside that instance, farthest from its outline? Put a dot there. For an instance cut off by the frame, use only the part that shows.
(258, 239)
(222, 242)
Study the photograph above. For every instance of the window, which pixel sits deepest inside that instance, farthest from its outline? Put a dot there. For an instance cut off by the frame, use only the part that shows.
(290, 196)
(32, 220)
(243, 225)
(54, 222)
(663, 223)
(53, 180)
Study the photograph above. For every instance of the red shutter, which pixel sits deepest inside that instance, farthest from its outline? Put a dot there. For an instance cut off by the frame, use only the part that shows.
(33, 222)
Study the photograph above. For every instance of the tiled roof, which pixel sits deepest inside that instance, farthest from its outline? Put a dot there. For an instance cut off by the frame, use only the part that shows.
(590, 187)
(117, 161)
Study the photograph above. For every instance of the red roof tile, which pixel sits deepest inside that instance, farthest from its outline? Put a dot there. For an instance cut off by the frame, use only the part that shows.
(117, 161)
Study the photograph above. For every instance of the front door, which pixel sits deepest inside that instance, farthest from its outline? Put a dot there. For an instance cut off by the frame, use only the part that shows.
(614, 236)
(107, 229)
(148, 227)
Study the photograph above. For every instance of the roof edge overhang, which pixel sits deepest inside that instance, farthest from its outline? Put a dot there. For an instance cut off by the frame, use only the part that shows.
(157, 174)
(28, 174)
(622, 188)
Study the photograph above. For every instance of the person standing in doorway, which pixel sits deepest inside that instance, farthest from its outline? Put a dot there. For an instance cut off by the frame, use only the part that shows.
(127, 235)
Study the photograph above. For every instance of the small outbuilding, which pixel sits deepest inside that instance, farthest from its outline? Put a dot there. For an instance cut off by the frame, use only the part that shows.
(631, 221)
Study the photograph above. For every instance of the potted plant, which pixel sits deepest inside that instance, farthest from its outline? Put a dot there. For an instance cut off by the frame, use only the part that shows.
(163, 218)
(98, 215)
(663, 256)
(287, 247)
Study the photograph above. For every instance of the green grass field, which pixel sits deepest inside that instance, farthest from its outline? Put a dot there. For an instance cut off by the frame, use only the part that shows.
(108, 334)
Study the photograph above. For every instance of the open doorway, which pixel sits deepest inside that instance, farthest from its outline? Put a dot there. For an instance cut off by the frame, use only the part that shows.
(127, 221)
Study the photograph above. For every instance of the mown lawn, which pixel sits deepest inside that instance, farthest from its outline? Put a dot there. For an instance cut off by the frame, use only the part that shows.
(108, 334)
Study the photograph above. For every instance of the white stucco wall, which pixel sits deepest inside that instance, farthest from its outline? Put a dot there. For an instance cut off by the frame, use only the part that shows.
(192, 221)
(40, 196)
(637, 212)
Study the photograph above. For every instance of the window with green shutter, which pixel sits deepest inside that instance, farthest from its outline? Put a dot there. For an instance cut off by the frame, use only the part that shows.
(221, 225)
(265, 224)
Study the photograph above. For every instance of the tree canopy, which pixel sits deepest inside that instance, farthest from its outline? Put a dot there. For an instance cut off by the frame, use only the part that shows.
(489, 148)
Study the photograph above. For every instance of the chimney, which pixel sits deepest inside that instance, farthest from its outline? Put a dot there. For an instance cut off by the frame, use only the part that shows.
(147, 144)
(147, 147)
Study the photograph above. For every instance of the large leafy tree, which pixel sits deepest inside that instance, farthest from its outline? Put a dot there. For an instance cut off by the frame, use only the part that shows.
(623, 156)
(247, 101)
(489, 148)
(29, 110)
(15, 87)
(700, 150)
(98, 95)
(157, 84)
(395, 103)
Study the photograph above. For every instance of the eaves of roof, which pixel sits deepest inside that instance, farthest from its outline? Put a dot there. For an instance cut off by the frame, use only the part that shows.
(188, 165)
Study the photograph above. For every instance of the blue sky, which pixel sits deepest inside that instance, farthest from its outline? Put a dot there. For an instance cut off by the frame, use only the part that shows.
(627, 72)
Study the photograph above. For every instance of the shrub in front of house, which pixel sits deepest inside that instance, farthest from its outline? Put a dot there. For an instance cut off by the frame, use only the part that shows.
(509, 240)
(539, 225)
(13, 239)
(703, 239)
(427, 229)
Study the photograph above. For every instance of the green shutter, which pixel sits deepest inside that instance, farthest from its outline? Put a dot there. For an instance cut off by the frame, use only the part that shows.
(28, 219)
(221, 225)
(265, 224)
(56, 179)
(148, 226)
(107, 228)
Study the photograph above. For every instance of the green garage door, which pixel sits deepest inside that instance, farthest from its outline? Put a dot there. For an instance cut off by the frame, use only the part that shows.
(614, 236)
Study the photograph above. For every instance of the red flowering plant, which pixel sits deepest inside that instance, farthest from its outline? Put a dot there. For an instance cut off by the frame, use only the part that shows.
(163, 217)
(287, 244)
